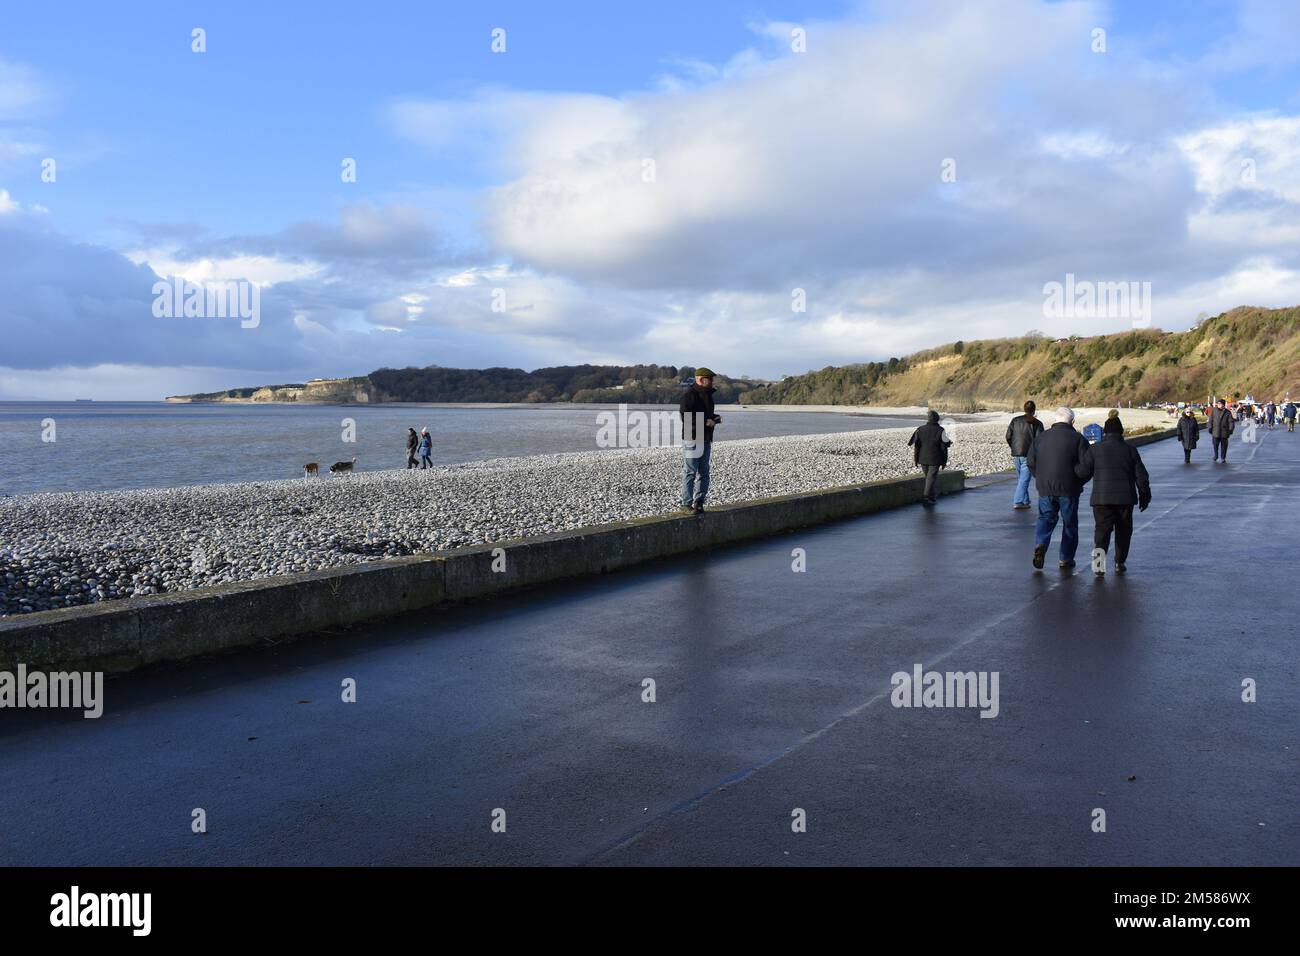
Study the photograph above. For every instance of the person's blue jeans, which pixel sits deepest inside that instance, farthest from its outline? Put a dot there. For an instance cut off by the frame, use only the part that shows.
(1066, 509)
(695, 472)
(1022, 481)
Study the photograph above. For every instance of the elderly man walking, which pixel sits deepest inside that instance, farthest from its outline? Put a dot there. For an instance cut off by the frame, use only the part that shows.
(1054, 459)
(1221, 428)
(697, 416)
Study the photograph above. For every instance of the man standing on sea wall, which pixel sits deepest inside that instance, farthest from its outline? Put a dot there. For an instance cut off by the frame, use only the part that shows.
(1053, 459)
(1221, 428)
(1020, 436)
(697, 416)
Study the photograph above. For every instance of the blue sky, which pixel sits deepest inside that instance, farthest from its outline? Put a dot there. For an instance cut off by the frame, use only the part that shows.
(523, 173)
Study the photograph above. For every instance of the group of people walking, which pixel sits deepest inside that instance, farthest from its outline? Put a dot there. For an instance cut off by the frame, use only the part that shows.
(1221, 424)
(1061, 462)
(1057, 459)
(1269, 413)
(420, 444)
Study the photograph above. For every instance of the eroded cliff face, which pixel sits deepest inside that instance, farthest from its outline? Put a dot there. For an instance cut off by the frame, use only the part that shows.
(332, 391)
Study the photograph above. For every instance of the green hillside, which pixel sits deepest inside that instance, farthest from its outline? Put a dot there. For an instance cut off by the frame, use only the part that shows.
(1246, 350)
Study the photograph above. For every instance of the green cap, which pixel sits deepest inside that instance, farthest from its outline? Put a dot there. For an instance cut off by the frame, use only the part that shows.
(704, 373)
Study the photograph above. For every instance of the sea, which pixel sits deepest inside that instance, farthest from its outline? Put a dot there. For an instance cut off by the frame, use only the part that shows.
(100, 446)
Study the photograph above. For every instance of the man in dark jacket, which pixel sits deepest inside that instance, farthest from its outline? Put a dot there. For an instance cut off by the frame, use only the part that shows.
(1189, 432)
(930, 451)
(1052, 459)
(1288, 413)
(1119, 481)
(697, 416)
(412, 442)
(1221, 428)
(1020, 436)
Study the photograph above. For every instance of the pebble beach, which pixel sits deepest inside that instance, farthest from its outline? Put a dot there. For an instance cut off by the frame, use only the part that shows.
(64, 549)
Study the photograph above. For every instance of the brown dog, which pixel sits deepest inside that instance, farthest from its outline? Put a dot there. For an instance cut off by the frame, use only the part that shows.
(311, 468)
(341, 466)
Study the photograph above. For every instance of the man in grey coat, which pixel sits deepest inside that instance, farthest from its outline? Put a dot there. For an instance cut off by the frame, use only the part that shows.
(1221, 428)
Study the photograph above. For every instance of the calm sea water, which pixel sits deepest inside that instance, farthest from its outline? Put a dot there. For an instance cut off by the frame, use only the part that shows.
(111, 445)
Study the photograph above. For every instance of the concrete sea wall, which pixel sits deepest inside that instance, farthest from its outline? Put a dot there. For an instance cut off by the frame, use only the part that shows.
(126, 634)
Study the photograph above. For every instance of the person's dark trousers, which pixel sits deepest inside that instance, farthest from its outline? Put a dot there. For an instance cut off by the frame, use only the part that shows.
(410, 460)
(1117, 518)
(931, 479)
(1221, 448)
(1187, 455)
(1052, 508)
(425, 461)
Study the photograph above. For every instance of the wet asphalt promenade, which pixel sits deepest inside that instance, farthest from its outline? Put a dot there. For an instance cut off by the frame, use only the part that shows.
(772, 693)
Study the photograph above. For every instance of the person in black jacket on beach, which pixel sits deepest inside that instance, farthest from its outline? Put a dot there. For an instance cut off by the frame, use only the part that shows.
(1189, 432)
(930, 451)
(1052, 460)
(697, 416)
(1119, 481)
(412, 443)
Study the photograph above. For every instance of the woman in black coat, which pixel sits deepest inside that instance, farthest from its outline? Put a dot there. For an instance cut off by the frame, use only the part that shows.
(1188, 433)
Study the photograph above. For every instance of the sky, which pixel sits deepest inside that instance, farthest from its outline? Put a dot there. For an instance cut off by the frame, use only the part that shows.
(761, 188)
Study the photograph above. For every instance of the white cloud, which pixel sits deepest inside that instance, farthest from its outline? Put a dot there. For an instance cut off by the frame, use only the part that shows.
(262, 270)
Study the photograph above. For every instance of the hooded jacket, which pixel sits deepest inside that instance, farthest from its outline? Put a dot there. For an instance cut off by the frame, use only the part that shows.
(1052, 460)
(928, 443)
(1189, 431)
